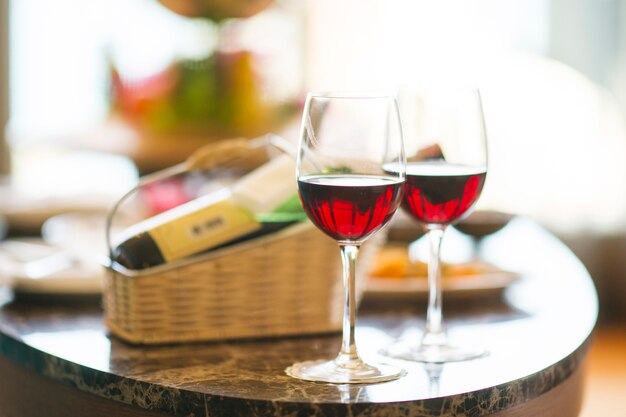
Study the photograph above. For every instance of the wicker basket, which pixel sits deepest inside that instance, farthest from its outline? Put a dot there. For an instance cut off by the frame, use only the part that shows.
(286, 283)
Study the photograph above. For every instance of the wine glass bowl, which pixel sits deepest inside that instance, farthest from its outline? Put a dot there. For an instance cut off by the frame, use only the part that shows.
(347, 142)
(368, 201)
(438, 193)
(446, 142)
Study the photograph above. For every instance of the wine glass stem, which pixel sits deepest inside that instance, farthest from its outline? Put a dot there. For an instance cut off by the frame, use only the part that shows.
(435, 332)
(349, 354)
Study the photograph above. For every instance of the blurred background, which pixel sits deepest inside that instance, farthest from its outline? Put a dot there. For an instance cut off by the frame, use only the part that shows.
(93, 94)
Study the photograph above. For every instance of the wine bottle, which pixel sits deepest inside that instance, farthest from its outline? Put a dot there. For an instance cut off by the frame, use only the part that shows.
(261, 202)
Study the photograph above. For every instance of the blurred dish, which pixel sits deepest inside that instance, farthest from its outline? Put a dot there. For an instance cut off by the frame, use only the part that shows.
(403, 228)
(75, 280)
(483, 223)
(82, 234)
(484, 284)
(50, 181)
(33, 266)
(26, 215)
(394, 275)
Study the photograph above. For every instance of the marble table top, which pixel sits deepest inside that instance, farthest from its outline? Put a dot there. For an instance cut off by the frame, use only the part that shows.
(536, 332)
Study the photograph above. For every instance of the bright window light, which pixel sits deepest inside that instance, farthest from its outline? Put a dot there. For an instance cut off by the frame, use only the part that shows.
(557, 142)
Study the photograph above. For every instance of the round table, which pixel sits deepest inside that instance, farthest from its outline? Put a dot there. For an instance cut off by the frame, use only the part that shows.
(57, 358)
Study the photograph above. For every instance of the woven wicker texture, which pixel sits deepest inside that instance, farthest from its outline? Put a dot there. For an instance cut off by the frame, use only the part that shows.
(288, 283)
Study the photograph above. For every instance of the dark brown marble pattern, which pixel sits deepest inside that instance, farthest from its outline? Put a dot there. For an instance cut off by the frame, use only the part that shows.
(537, 334)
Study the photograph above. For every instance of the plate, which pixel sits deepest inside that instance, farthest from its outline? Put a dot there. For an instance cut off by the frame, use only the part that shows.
(488, 283)
(78, 280)
(33, 266)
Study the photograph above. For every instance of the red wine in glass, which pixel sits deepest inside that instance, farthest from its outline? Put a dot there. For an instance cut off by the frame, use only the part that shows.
(350, 207)
(441, 193)
(444, 178)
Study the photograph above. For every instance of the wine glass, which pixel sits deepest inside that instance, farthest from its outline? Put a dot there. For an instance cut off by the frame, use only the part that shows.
(446, 169)
(346, 143)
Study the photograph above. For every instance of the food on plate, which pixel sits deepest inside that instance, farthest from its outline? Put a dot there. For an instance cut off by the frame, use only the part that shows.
(393, 262)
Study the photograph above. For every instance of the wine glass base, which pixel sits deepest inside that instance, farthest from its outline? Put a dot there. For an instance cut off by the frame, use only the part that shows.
(434, 353)
(332, 372)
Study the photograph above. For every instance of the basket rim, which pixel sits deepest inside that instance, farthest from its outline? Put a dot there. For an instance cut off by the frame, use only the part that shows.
(285, 233)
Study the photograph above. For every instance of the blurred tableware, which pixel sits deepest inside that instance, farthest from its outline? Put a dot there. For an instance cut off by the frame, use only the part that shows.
(488, 281)
(403, 229)
(483, 223)
(83, 235)
(33, 266)
(49, 182)
(397, 275)
(25, 215)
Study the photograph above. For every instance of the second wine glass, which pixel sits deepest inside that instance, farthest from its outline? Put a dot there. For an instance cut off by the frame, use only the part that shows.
(446, 143)
(346, 142)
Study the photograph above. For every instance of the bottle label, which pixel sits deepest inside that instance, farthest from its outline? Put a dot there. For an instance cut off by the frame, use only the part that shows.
(203, 229)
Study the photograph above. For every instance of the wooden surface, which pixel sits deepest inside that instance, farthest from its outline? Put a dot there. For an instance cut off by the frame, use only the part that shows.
(24, 393)
(605, 385)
